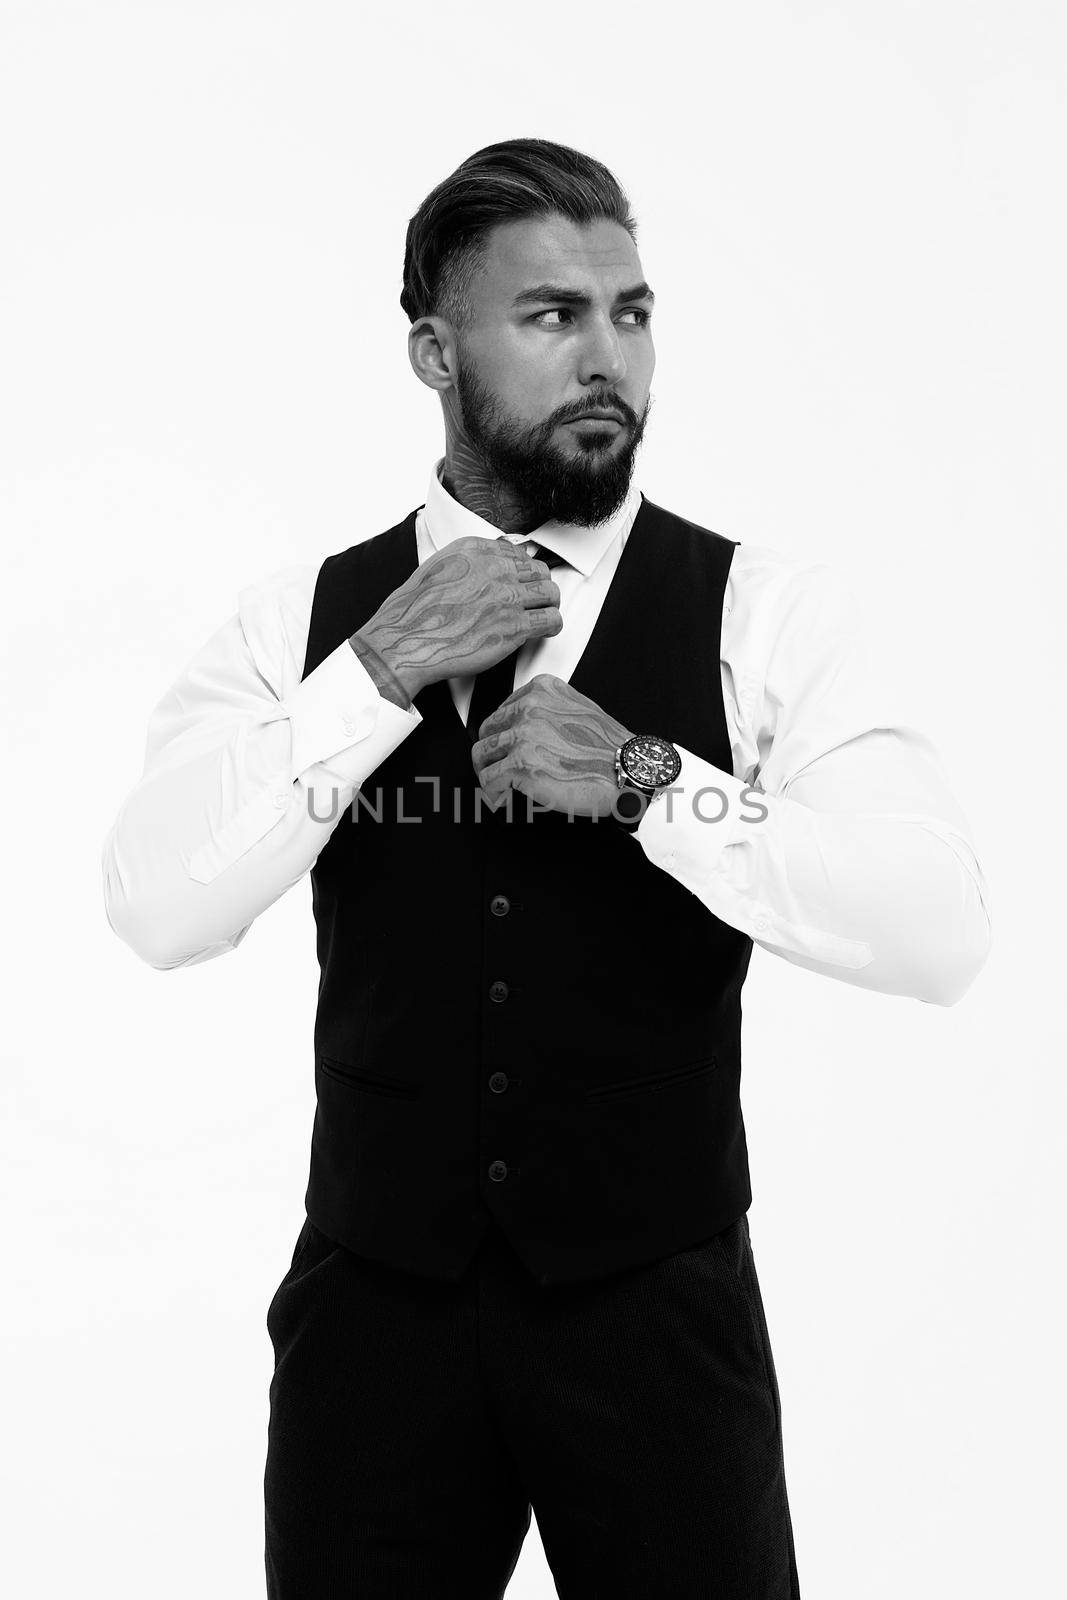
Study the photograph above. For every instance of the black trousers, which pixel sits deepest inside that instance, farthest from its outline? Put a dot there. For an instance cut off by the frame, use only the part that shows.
(413, 1425)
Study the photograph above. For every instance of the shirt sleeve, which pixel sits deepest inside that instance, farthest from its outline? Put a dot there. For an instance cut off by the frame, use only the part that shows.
(836, 842)
(247, 770)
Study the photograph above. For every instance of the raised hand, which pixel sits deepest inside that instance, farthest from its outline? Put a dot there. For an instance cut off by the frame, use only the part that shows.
(461, 611)
(553, 744)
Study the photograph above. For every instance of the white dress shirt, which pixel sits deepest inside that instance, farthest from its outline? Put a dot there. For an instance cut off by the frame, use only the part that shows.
(862, 869)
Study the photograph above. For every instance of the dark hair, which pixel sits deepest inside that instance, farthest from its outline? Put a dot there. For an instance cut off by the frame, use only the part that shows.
(517, 178)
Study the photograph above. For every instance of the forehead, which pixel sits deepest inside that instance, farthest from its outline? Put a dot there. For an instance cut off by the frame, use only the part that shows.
(597, 257)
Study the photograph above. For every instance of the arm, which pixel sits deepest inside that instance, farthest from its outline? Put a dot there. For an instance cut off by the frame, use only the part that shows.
(862, 868)
(226, 816)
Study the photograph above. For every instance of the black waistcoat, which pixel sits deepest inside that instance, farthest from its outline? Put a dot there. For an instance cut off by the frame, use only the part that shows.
(519, 1015)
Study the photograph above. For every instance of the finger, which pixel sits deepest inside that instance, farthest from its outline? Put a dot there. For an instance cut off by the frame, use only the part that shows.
(496, 722)
(483, 755)
(494, 738)
(483, 541)
(479, 755)
(495, 778)
(534, 571)
(546, 593)
(541, 618)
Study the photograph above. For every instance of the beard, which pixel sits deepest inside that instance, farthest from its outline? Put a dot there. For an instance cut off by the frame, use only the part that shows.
(585, 484)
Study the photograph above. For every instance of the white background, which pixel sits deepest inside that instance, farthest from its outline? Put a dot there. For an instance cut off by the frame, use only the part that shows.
(853, 218)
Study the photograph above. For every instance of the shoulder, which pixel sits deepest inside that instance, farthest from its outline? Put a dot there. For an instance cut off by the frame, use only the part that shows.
(788, 620)
(786, 591)
(760, 574)
(767, 587)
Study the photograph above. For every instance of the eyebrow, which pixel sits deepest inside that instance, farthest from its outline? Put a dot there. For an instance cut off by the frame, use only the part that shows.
(574, 297)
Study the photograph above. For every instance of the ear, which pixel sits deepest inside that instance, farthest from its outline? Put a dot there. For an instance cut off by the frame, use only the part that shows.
(432, 352)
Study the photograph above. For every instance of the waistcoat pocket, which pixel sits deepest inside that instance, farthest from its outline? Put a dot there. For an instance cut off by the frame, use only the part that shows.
(371, 1082)
(653, 1080)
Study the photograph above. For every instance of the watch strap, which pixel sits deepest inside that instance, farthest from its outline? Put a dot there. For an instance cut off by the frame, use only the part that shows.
(630, 807)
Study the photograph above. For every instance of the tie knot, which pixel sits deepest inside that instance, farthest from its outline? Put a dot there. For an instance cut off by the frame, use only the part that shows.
(549, 557)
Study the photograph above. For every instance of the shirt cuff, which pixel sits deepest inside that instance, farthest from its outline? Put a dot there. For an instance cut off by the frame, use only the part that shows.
(337, 705)
(687, 828)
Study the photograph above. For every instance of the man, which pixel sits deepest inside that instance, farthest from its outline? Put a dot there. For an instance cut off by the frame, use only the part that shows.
(533, 743)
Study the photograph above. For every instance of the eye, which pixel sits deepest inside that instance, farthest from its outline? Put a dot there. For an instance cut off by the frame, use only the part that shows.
(643, 316)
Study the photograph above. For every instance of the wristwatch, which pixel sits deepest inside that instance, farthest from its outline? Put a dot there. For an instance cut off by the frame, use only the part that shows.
(645, 766)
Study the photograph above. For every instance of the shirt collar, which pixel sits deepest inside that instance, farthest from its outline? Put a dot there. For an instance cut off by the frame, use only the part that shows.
(581, 545)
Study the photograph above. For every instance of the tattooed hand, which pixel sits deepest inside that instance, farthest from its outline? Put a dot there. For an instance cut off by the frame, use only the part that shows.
(461, 611)
(553, 744)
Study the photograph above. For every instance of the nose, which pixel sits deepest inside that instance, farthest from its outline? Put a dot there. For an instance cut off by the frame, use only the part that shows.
(602, 359)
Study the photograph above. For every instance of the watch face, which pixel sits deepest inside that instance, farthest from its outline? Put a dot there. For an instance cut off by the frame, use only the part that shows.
(649, 760)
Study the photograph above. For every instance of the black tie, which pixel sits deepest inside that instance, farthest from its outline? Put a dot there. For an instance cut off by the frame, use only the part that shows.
(492, 687)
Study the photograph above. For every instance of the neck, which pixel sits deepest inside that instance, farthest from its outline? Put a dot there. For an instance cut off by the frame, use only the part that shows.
(469, 481)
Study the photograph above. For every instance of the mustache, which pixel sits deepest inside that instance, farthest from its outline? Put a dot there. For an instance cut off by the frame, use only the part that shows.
(602, 403)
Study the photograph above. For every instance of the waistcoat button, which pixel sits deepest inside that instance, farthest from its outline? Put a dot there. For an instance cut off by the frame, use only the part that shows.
(498, 991)
(500, 905)
(498, 1171)
(498, 1082)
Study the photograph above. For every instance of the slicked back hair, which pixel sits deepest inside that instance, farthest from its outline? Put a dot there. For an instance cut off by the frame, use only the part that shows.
(446, 238)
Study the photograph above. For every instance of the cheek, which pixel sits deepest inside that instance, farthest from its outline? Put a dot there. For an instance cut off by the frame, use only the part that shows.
(643, 365)
(527, 378)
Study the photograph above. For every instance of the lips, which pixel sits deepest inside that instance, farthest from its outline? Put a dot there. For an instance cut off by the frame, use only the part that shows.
(598, 416)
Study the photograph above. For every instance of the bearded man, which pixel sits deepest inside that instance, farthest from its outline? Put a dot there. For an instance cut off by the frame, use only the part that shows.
(533, 744)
